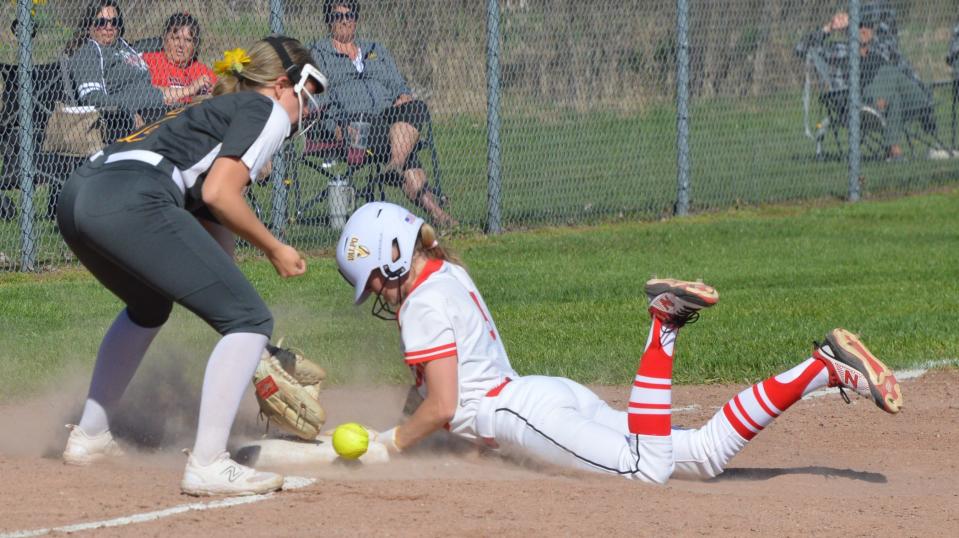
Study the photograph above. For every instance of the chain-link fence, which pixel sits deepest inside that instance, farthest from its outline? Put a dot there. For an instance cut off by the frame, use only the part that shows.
(568, 114)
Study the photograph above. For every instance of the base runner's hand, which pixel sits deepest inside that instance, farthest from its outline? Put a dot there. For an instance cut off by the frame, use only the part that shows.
(287, 261)
(388, 438)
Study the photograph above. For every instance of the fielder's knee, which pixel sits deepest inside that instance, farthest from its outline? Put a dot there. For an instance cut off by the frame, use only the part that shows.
(151, 316)
(257, 323)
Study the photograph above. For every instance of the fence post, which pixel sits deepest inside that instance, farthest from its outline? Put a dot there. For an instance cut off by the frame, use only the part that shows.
(27, 170)
(278, 174)
(494, 165)
(682, 108)
(855, 102)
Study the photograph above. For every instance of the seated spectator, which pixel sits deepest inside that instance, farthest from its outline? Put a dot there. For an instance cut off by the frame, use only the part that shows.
(107, 72)
(887, 81)
(954, 53)
(890, 91)
(176, 65)
(365, 85)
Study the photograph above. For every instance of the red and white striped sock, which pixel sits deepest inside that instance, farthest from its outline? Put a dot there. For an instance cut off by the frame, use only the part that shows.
(651, 397)
(754, 408)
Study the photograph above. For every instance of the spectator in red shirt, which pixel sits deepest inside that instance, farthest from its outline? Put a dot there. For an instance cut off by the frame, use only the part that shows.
(176, 65)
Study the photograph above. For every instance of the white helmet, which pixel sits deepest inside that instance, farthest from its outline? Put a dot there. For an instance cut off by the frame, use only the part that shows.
(366, 244)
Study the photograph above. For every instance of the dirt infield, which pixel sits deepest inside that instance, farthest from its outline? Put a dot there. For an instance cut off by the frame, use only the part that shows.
(824, 468)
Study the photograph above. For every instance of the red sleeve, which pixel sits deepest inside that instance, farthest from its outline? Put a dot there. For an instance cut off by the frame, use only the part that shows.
(198, 69)
(156, 62)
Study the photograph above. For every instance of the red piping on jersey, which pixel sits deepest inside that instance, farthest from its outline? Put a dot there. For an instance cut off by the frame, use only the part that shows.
(494, 392)
(427, 358)
(431, 350)
(431, 354)
(432, 265)
(486, 319)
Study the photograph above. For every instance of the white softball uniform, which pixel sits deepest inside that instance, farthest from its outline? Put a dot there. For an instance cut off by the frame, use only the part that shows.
(552, 419)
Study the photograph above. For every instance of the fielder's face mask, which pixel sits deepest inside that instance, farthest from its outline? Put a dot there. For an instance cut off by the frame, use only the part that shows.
(300, 76)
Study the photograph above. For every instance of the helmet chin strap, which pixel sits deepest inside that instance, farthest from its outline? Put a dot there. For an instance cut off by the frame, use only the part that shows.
(384, 310)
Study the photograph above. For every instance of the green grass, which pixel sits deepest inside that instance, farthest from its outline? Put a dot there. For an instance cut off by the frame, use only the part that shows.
(565, 167)
(568, 301)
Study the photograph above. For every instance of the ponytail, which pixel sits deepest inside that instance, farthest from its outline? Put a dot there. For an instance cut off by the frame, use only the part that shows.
(428, 246)
(244, 70)
(226, 84)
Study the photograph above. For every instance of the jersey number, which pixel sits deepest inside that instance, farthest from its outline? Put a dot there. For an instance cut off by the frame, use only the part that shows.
(489, 324)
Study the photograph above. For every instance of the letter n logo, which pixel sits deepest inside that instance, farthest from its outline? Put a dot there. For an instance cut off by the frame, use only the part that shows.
(851, 378)
(232, 473)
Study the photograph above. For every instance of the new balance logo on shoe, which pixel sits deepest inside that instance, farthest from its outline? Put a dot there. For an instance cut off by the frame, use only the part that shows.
(851, 379)
(232, 473)
(224, 476)
(678, 302)
(851, 365)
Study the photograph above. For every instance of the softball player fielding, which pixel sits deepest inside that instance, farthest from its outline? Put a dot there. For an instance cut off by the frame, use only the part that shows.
(153, 216)
(463, 374)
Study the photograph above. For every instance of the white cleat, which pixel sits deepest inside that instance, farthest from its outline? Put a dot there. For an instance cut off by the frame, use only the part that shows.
(226, 477)
(83, 449)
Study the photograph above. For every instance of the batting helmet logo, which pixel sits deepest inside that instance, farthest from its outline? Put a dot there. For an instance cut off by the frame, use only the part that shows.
(355, 250)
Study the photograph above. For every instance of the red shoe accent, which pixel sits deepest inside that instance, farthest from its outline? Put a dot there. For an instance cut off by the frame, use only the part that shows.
(855, 367)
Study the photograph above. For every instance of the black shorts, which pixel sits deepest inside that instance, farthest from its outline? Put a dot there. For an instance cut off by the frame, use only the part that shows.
(126, 223)
(413, 112)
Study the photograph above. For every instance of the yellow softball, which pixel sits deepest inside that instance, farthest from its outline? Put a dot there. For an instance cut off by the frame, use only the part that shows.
(350, 440)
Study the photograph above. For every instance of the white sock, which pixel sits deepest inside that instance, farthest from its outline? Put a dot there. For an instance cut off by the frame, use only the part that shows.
(120, 353)
(228, 375)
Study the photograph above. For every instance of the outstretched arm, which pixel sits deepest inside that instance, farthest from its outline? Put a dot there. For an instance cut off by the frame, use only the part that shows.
(223, 194)
(442, 392)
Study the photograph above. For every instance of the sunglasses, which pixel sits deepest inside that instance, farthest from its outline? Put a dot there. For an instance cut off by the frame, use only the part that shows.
(340, 16)
(101, 22)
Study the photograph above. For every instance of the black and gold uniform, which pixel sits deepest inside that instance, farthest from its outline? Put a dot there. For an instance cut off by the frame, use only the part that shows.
(128, 214)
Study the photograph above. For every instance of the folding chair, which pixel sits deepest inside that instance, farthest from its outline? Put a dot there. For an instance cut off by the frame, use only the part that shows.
(51, 168)
(920, 121)
(352, 177)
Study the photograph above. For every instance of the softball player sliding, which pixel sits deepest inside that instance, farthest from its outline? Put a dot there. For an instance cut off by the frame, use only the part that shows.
(132, 215)
(462, 371)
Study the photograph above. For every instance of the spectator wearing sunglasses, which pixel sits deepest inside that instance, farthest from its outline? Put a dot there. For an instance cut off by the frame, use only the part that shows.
(365, 85)
(106, 71)
(176, 65)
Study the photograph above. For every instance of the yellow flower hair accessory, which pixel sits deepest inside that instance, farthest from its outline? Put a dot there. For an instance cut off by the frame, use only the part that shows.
(232, 62)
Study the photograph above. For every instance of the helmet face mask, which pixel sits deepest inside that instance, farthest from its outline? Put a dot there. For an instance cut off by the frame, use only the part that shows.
(306, 99)
(367, 241)
(382, 309)
(299, 76)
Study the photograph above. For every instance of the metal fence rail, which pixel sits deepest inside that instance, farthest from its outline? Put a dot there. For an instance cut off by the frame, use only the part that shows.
(541, 112)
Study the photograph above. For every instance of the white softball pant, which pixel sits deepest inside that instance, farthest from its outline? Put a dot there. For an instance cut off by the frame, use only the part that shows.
(559, 421)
